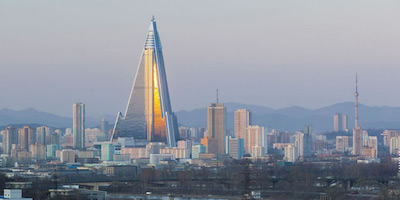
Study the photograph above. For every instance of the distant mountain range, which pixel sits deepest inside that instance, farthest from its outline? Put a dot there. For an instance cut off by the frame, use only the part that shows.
(296, 118)
(291, 118)
(36, 118)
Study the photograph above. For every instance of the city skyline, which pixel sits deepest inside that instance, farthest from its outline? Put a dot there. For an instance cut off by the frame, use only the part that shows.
(296, 132)
(359, 45)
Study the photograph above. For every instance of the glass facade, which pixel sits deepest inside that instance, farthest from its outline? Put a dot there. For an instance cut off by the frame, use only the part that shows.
(148, 114)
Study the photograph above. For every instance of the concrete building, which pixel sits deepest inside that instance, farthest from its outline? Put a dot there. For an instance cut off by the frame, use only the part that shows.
(67, 156)
(122, 170)
(86, 154)
(299, 143)
(176, 151)
(216, 124)
(78, 125)
(26, 137)
(135, 152)
(372, 142)
(257, 151)
(51, 150)
(357, 141)
(107, 151)
(155, 147)
(13, 194)
(242, 121)
(291, 154)
(394, 145)
(255, 136)
(342, 143)
(155, 159)
(10, 138)
(339, 122)
(104, 126)
(387, 135)
(38, 151)
(368, 152)
(41, 135)
(72, 191)
(52, 138)
(236, 148)
(197, 150)
(211, 144)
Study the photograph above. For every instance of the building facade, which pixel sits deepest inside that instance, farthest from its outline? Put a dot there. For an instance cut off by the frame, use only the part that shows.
(26, 137)
(236, 148)
(78, 125)
(149, 115)
(10, 138)
(216, 124)
(242, 121)
(342, 143)
(339, 122)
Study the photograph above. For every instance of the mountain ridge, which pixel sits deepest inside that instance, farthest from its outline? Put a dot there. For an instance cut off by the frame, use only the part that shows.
(289, 118)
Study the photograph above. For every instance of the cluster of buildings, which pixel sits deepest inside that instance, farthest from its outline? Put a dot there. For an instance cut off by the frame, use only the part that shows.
(148, 133)
(363, 145)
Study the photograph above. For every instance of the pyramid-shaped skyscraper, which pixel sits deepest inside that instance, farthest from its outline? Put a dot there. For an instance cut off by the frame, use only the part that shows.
(148, 115)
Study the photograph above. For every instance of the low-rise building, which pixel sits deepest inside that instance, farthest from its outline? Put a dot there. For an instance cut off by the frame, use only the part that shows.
(14, 194)
(157, 158)
(122, 170)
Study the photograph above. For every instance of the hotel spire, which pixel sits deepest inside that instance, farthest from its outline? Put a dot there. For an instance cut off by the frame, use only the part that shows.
(148, 115)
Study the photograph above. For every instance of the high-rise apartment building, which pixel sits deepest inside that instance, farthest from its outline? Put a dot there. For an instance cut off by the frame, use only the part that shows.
(291, 153)
(41, 135)
(387, 135)
(372, 143)
(342, 143)
(104, 126)
(394, 145)
(26, 137)
(10, 137)
(216, 124)
(344, 122)
(149, 115)
(339, 122)
(38, 151)
(255, 136)
(242, 121)
(357, 141)
(236, 148)
(308, 142)
(78, 125)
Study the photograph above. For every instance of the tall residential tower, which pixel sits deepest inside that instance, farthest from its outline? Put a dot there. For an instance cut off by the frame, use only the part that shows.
(339, 122)
(242, 121)
(78, 125)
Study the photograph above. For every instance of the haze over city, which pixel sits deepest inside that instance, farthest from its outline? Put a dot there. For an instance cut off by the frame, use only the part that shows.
(199, 100)
(271, 53)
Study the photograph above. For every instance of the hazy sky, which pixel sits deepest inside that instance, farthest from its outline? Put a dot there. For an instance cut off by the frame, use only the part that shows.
(271, 53)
